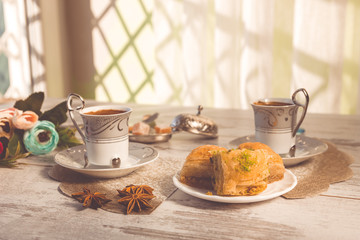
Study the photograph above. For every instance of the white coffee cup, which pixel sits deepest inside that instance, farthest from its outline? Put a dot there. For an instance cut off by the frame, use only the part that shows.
(276, 122)
(105, 131)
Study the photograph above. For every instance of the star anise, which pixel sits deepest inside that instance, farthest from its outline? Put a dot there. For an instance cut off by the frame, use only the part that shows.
(92, 200)
(136, 197)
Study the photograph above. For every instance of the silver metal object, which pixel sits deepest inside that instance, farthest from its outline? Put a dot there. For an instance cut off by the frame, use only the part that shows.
(86, 160)
(196, 124)
(71, 109)
(151, 118)
(304, 106)
(116, 162)
(292, 151)
(150, 138)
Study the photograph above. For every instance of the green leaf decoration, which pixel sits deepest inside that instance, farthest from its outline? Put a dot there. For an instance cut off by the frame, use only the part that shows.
(56, 115)
(10, 159)
(7, 162)
(7, 153)
(16, 145)
(67, 137)
(32, 103)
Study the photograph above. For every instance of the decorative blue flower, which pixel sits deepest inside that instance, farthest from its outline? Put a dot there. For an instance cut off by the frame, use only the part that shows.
(42, 138)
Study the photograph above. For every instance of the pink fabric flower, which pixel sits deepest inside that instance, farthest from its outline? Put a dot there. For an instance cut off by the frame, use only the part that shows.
(24, 120)
(7, 113)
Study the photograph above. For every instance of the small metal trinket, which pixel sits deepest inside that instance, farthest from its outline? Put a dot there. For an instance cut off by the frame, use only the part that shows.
(196, 124)
(116, 162)
(86, 160)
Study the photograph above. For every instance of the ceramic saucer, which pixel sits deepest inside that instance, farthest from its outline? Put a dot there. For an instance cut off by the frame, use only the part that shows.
(273, 190)
(306, 148)
(139, 155)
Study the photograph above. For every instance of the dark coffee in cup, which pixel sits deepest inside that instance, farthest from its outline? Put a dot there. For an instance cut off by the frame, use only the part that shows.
(272, 103)
(105, 112)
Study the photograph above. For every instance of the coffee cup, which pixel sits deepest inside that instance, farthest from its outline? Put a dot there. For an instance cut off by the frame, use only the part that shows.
(276, 122)
(105, 131)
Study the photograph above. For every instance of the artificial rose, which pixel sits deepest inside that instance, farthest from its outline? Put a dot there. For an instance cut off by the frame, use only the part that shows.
(3, 146)
(7, 113)
(42, 138)
(24, 120)
(6, 128)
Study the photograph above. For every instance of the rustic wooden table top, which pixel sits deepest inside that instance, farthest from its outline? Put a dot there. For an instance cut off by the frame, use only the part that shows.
(32, 208)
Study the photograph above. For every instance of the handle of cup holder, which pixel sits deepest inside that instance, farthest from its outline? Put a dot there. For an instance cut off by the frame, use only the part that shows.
(71, 109)
(304, 106)
(70, 98)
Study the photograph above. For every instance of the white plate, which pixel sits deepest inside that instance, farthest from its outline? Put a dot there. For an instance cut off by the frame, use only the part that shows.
(306, 148)
(273, 190)
(139, 155)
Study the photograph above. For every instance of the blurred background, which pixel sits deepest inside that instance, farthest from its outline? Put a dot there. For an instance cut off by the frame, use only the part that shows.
(218, 53)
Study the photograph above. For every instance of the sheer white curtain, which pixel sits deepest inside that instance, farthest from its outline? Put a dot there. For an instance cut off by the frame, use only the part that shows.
(226, 53)
(319, 30)
(21, 49)
(243, 52)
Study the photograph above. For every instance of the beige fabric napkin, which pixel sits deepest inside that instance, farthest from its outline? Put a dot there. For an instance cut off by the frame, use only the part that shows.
(316, 174)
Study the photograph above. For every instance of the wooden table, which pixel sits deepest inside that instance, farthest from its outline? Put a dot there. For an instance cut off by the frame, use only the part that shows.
(32, 208)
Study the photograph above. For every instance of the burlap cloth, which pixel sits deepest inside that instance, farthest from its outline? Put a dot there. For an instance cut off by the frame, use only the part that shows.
(314, 177)
(157, 175)
(316, 174)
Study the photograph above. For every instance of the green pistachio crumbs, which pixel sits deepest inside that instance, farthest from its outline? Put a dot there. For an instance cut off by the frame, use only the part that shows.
(245, 162)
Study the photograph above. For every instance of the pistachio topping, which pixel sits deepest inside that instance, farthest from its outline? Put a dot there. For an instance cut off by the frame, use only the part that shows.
(245, 161)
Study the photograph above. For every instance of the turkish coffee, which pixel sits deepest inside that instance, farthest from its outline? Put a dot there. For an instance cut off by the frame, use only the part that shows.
(272, 103)
(105, 112)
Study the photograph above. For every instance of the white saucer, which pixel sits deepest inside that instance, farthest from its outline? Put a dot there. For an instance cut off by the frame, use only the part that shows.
(306, 148)
(273, 190)
(139, 155)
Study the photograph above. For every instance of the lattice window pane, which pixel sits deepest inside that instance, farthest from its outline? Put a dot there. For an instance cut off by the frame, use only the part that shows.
(123, 51)
(15, 74)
